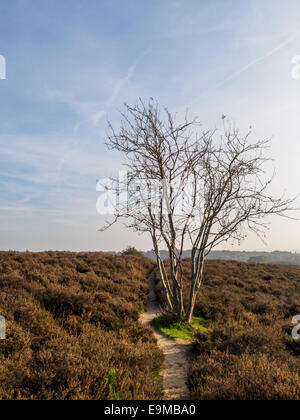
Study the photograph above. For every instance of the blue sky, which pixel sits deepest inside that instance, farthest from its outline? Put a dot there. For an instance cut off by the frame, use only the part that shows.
(72, 64)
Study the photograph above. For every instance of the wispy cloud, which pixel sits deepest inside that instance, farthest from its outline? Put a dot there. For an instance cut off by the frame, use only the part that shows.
(95, 117)
(80, 64)
(258, 60)
(119, 85)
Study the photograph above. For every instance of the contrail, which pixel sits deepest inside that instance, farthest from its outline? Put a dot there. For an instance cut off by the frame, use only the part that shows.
(258, 60)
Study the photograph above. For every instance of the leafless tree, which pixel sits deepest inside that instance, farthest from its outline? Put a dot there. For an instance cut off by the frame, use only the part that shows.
(189, 186)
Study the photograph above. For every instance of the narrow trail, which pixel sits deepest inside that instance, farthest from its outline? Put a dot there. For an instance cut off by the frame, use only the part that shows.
(175, 368)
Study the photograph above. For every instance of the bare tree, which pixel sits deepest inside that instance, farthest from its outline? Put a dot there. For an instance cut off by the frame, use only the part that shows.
(186, 186)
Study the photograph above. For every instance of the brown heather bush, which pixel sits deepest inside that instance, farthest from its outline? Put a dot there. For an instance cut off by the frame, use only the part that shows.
(72, 330)
(247, 352)
(224, 376)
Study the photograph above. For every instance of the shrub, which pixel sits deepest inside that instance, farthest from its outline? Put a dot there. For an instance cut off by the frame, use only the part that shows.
(247, 352)
(223, 376)
(131, 250)
(72, 330)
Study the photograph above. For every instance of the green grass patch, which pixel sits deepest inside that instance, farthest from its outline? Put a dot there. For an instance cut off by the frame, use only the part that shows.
(142, 310)
(183, 330)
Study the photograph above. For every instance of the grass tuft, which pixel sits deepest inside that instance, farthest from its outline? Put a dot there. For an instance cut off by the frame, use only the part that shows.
(166, 325)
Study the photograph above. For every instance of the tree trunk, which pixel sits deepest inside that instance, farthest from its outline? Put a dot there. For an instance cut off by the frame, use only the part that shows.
(195, 286)
(164, 283)
(179, 305)
(191, 307)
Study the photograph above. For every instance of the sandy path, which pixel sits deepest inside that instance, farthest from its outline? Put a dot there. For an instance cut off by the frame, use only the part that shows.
(175, 369)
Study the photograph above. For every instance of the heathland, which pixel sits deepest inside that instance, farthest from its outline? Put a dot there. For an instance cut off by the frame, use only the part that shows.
(247, 351)
(73, 330)
(72, 327)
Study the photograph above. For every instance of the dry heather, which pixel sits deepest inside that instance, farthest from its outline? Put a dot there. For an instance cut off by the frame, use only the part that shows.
(247, 352)
(72, 330)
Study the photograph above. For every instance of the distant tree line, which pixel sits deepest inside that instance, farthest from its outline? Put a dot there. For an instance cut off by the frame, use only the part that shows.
(242, 256)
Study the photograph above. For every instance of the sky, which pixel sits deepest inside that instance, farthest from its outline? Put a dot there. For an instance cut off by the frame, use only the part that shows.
(71, 65)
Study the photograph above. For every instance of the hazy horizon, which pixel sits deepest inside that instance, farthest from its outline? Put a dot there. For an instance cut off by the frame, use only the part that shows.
(70, 67)
(148, 250)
